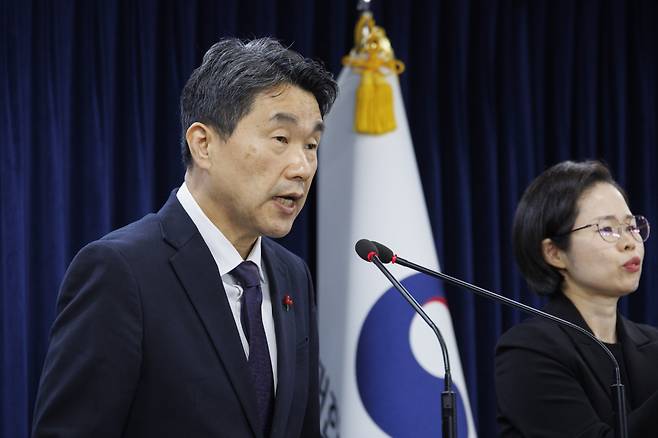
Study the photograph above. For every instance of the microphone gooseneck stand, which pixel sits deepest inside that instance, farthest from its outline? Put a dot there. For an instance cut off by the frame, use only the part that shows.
(368, 252)
(617, 389)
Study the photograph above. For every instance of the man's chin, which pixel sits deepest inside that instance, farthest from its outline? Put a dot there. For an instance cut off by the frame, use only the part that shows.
(277, 232)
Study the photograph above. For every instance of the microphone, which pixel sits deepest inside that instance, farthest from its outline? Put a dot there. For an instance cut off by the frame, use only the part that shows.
(386, 255)
(369, 252)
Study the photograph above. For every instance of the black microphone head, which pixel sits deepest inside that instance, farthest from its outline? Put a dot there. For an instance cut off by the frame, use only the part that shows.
(384, 253)
(365, 249)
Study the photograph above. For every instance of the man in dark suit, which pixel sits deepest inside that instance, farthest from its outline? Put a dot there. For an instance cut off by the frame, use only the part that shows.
(189, 322)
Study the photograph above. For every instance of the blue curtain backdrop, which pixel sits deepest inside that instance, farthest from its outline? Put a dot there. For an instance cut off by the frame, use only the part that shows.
(495, 91)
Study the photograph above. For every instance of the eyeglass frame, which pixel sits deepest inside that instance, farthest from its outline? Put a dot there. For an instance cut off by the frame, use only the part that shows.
(618, 232)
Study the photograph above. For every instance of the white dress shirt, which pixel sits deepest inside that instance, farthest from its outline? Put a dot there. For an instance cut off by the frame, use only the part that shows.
(227, 258)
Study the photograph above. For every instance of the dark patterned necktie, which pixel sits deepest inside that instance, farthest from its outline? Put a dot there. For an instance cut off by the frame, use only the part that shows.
(246, 274)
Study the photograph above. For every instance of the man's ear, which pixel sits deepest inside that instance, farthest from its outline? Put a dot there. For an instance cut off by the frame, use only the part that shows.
(553, 255)
(199, 137)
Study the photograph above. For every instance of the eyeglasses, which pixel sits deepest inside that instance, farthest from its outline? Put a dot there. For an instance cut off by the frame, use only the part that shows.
(610, 228)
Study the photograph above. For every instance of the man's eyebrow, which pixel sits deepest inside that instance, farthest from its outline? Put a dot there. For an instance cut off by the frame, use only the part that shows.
(285, 118)
(292, 119)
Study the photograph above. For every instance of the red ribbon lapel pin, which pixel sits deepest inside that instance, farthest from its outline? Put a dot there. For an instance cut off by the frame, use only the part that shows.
(287, 302)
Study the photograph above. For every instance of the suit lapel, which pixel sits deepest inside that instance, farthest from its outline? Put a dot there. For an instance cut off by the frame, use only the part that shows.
(201, 280)
(284, 325)
(596, 359)
(640, 357)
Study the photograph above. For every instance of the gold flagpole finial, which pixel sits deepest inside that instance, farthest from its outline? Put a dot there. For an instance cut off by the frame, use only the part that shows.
(373, 58)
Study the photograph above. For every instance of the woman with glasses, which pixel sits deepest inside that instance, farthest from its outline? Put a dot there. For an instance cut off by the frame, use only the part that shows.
(576, 241)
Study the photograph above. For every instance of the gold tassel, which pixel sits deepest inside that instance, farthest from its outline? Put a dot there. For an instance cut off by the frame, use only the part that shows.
(373, 112)
(373, 58)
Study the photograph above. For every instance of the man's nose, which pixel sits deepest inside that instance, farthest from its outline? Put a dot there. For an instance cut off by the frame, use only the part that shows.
(301, 164)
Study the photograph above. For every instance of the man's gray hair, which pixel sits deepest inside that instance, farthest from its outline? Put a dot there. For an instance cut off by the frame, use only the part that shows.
(222, 89)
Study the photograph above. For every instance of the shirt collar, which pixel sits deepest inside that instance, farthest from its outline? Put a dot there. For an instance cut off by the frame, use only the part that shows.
(222, 250)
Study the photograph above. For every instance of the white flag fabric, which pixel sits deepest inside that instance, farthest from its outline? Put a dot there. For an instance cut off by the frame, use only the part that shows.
(381, 365)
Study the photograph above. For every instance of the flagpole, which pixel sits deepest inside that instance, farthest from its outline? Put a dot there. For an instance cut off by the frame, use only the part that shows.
(374, 115)
(375, 346)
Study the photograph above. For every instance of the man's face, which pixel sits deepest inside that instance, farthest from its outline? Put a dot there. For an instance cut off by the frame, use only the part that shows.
(260, 176)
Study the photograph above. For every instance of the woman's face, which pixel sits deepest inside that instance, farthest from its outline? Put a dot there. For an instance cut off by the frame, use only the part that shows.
(593, 266)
